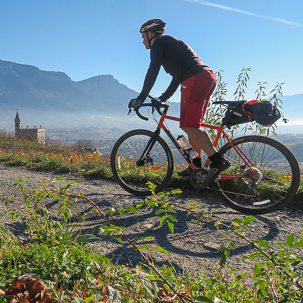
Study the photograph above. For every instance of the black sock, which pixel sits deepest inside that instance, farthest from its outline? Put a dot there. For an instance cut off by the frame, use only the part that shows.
(216, 157)
(197, 162)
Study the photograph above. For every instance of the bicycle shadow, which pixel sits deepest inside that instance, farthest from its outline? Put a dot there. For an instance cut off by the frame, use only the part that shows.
(161, 236)
(136, 223)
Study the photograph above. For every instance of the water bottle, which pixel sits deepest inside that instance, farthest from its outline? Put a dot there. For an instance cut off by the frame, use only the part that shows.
(187, 148)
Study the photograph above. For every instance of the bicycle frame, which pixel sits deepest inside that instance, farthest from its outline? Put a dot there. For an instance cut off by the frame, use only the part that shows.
(220, 132)
(263, 176)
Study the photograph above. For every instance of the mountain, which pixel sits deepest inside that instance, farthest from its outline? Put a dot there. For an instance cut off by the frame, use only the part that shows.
(27, 87)
(53, 100)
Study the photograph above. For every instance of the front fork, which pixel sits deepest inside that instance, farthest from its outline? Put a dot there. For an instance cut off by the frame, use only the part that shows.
(145, 157)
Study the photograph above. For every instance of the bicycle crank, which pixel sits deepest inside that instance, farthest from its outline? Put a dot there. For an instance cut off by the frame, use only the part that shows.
(198, 178)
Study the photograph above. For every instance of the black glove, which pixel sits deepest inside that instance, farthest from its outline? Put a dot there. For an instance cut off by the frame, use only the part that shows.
(134, 103)
(156, 101)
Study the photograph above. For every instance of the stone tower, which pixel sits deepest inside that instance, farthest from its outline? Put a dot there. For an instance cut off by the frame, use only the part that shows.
(34, 134)
(17, 125)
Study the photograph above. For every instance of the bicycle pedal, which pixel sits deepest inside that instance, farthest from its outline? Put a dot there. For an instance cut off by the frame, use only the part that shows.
(199, 178)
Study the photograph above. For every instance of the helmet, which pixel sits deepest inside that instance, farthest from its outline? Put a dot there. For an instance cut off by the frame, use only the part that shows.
(154, 25)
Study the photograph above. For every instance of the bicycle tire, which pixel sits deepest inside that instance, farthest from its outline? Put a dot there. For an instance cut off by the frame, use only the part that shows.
(157, 166)
(275, 180)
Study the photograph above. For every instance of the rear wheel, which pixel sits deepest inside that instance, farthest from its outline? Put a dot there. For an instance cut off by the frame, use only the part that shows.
(139, 157)
(268, 185)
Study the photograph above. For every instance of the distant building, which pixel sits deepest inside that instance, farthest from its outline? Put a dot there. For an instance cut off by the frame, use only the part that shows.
(33, 134)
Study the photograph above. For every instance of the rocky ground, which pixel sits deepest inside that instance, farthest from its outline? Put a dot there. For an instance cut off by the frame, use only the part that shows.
(192, 247)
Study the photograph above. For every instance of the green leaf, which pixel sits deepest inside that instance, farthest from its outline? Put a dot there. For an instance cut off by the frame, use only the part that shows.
(173, 219)
(241, 276)
(143, 246)
(171, 226)
(118, 239)
(159, 211)
(248, 220)
(140, 204)
(60, 211)
(223, 260)
(162, 250)
(237, 220)
(262, 242)
(70, 204)
(89, 299)
(73, 182)
(203, 299)
(257, 268)
(298, 243)
(176, 191)
(131, 209)
(170, 210)
(162, 219)
(281, 252)
(290, 239)
(232, 245)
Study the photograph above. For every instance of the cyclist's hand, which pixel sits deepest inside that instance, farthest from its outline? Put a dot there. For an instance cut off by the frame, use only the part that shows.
(156, 102)
(134, 103)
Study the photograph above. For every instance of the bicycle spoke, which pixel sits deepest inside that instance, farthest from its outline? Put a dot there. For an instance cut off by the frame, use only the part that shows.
(137, 160)
(266, 186)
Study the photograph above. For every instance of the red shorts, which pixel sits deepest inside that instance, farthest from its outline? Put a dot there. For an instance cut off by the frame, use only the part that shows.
(195, 95)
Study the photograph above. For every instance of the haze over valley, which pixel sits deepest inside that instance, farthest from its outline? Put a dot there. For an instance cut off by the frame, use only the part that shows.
(89, 109)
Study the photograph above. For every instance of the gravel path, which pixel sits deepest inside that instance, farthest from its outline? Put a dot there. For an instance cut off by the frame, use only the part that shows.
(192, 246)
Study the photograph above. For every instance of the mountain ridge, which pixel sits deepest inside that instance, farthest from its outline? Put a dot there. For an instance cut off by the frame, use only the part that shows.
(53, 99)
(28, 87)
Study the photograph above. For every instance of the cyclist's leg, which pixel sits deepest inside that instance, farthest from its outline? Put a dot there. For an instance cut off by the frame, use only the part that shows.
(195, 96)
(200, 140)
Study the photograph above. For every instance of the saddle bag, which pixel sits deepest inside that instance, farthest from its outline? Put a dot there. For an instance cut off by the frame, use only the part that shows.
(263, 112)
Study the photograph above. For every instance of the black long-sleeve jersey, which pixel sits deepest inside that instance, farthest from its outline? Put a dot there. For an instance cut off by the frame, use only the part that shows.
(177, 58)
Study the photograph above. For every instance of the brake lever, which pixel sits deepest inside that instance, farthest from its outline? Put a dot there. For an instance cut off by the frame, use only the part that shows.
(156, 104)
(140, 116)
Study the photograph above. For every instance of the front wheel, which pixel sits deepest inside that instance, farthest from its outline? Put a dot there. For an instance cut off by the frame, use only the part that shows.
(139, 157)
(269, 184)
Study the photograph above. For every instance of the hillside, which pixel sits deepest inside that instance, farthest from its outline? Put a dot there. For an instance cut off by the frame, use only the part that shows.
(27, 87)
(52, 99)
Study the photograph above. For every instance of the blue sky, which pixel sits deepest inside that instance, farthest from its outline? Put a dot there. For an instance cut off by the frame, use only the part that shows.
(85, 38)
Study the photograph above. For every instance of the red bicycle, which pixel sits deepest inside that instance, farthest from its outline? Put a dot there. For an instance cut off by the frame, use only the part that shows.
(264, 174)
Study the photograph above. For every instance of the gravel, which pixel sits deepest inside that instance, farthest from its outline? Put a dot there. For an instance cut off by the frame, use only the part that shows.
(193, 246)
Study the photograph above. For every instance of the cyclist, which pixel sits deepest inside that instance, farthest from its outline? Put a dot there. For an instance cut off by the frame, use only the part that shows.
(197, 84)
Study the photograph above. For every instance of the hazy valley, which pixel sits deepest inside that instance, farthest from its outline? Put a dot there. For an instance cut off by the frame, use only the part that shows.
(92, 109)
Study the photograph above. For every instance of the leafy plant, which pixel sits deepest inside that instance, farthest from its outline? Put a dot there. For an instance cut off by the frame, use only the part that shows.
(71, 268)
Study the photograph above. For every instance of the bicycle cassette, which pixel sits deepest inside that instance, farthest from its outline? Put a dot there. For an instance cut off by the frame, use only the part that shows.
(198, 178)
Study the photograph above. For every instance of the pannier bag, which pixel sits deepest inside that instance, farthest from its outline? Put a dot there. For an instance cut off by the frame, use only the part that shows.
(263, 112)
